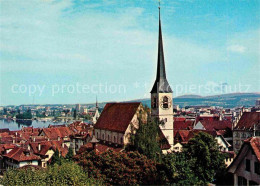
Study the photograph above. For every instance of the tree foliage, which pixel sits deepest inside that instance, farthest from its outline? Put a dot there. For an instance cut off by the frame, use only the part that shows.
(205, 159)
(69, 155)
(56, 158)
(68, 173)
(146, 140)
(123, 168)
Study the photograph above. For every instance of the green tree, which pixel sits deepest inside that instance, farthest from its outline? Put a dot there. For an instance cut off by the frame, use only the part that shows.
(56, 158)
(119, 168)
(146, 140)
(68, 173)
(178, 170)
(69, 155)
(204, 157)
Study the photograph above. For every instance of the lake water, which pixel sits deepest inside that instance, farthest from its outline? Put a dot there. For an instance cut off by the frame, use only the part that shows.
(17, 125)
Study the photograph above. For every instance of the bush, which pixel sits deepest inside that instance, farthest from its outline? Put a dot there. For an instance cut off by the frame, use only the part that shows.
(121, 168)
(68, 173)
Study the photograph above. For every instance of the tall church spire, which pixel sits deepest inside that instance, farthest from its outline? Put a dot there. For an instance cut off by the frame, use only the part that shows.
(161, 84)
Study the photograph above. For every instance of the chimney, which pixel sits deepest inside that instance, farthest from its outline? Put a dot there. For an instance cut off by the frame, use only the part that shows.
(29, 148)
(13, 140)
(34, 139)
(62, 145)
(39, 146)
(58, 138)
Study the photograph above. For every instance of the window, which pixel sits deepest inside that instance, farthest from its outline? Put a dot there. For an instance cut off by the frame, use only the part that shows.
(248, 168)
(257, 168)
(97, 134)
(165, 102)
(121, 140)
(107, 137)
(103, 137)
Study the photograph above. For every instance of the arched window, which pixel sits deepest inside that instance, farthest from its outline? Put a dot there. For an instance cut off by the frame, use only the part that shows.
(114, 139)
(103, 137)
(97, 134)
(107, 137)
(165, 102)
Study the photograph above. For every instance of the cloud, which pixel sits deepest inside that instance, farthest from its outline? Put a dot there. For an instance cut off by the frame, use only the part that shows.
(236, 48)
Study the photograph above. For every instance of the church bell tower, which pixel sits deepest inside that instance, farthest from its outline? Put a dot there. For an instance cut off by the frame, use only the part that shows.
(161, 94)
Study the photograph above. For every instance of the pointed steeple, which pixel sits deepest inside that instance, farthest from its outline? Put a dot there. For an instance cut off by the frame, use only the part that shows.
(96, 103)
(161, 84)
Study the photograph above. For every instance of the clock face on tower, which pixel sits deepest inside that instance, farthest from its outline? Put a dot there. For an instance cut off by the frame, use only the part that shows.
(165, 102)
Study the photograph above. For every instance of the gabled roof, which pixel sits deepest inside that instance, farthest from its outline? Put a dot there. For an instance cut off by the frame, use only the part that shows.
(183, 125)
(253, 144)
(248, 120)
(54, 133)
(20, 154)
(48, 145)
(216, 125)
(117, 116)
(164, 141)
(183, 135)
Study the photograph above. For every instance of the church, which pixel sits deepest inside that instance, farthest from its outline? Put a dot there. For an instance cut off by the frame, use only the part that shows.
(161, 94)
(114, 123)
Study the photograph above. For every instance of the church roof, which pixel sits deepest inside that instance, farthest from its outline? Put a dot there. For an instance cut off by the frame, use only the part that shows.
(161, 84)
(117, 116)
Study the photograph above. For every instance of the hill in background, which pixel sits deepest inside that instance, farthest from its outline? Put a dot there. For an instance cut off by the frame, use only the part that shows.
(224, 100)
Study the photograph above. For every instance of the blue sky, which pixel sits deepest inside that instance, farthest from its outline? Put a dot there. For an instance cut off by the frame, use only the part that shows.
(49, 47)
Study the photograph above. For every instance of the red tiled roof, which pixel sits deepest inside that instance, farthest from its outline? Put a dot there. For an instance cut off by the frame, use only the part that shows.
(84, 148)
(19, 154)
(4, 147)
(4, 130)
(179, 119)
(183, 125)
(190, 134)
(117, 116)
(164, 142)
(248, 119)
(54, 133)
(102, 148)
(182, 136)
(255, 144)
(216, 125)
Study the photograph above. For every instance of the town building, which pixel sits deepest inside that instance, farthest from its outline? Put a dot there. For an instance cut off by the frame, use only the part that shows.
(246, 166)
(19, 157)
(247, 126)
(117, 122)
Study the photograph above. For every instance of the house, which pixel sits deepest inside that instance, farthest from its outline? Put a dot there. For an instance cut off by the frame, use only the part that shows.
(57, 133)
(46, 149)
(247, 126)
(117, 122)
(79, 139)
(82, 133)
(19, 157)
(246, 166)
